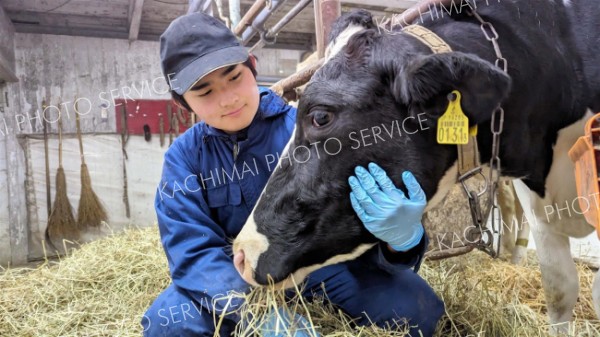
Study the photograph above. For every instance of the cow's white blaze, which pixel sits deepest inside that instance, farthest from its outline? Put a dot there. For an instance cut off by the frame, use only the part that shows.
(249, 239)
(252, 243)
(341, 40)
(551, 229)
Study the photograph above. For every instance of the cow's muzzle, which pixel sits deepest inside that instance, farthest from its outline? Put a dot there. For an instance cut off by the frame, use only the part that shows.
(244, 268)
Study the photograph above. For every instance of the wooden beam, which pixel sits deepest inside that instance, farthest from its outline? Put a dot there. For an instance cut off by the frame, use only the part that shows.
(326, 12)
(18, 226)
(400, 4)
(7, 49)
(130, 12)
(135, 7)
(71, 21)
(7, 74)
(121, 33)
(112, 9)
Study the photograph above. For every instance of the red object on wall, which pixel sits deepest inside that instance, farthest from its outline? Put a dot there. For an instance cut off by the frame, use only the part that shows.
(146, 111)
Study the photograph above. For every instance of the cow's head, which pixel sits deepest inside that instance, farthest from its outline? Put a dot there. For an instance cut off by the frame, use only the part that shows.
(377, 100)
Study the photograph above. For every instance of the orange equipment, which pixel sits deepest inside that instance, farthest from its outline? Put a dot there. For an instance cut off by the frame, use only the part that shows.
(586, 156)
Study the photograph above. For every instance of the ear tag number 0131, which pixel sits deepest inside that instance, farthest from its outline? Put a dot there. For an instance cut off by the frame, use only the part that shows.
(453, 126)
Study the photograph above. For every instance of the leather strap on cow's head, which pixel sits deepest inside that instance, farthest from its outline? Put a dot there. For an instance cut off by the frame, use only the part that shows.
(468, 154)
(429, 38)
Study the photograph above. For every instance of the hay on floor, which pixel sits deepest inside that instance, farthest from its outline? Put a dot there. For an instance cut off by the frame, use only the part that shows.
(104, 288)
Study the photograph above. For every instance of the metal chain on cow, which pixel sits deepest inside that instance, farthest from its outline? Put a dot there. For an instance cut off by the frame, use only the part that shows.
(481, 236)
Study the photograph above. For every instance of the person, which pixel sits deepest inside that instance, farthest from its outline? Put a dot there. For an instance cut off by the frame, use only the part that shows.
(201, 204)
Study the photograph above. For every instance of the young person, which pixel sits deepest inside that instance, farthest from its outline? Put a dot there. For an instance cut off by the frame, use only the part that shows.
(200, 209)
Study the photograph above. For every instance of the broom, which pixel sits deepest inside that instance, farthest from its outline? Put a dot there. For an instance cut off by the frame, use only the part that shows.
(90, 211)
(61, 223)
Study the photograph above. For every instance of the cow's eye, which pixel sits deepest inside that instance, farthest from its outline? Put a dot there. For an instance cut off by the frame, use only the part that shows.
(321, 118)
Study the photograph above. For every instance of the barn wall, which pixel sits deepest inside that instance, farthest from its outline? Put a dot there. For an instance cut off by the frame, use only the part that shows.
(7, 56)
(13, 232)
(277, 63)
(97, 71)
(4, 229)
(59, 68)
(7, 52)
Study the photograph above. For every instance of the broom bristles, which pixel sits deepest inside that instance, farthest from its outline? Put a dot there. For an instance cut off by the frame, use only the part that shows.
(61, 223)
(90, 212)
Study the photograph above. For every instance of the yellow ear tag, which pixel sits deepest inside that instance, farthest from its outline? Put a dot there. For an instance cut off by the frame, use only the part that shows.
(453, 126)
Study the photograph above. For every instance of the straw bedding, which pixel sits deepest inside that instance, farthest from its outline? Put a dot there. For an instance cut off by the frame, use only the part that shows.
(104, 288)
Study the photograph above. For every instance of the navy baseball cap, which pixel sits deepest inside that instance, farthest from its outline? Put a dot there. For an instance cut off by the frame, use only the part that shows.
(193, 46)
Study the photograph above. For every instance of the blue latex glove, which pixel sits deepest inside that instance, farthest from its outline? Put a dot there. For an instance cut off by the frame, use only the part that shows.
(384, 209)
(279, 324)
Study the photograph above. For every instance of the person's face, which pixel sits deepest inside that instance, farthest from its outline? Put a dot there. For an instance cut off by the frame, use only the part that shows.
(226, 99)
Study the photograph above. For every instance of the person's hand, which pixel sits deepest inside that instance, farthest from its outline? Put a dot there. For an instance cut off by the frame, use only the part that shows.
(279, 323)
(384, 209)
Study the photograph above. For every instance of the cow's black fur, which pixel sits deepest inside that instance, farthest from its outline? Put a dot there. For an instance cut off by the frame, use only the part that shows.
(378, 78)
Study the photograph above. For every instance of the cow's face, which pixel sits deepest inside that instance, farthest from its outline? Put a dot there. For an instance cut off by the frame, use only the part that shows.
(377, 101)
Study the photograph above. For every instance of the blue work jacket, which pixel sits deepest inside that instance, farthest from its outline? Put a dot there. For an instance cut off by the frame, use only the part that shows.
(210, 183)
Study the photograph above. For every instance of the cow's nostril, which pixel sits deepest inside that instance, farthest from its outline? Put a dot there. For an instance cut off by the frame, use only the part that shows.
(239, 260)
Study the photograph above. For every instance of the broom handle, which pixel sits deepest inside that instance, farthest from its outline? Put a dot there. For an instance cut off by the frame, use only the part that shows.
(78, 125)
(59, 135)
(46, 158)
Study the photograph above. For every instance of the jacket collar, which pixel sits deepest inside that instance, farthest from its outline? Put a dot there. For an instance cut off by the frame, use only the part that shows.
(270, 105)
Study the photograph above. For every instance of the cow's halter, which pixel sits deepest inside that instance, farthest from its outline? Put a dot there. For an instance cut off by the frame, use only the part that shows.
(469, 165)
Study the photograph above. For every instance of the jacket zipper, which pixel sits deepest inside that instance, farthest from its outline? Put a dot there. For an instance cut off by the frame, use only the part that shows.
(236, 150)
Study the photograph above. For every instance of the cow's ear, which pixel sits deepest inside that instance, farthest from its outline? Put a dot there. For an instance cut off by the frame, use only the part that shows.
(425, 83)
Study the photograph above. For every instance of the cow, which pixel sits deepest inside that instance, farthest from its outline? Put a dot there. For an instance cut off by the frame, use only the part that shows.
(378, 99)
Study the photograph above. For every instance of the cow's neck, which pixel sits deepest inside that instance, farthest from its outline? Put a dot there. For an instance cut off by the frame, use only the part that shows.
(535, 112)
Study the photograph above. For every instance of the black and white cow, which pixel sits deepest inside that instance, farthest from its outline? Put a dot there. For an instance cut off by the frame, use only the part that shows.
(378, 98)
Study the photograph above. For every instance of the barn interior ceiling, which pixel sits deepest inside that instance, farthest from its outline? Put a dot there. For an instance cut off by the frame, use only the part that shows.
(147, 19)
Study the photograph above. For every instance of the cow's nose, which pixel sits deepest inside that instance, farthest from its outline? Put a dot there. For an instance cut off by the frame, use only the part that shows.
(239, 261)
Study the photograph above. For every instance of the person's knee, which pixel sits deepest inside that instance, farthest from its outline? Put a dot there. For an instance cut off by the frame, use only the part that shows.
(409, 299)
(176, 320)
(424, 315)
(419, 319)
(175, 314)
(430, 312)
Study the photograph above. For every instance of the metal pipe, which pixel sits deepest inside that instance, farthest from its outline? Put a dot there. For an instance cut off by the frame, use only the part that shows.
(207, 7)
(221, 15)
(258, 25)
(273, 31)
(248, 17)
(234, 12)
(198, 5)
(194, 5)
